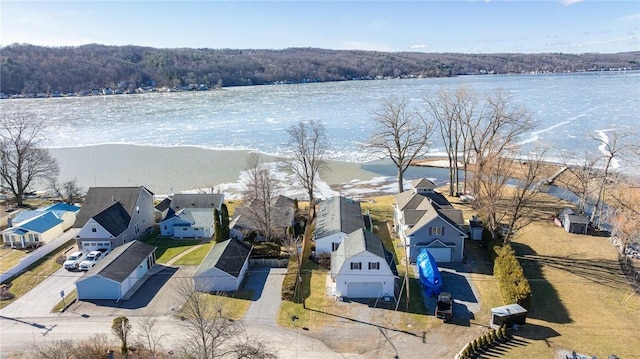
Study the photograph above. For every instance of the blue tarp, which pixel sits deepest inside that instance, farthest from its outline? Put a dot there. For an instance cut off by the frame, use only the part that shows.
(430, 277)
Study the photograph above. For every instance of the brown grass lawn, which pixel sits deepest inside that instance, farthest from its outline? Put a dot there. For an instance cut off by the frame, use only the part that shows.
(581, 299)
(9, 258)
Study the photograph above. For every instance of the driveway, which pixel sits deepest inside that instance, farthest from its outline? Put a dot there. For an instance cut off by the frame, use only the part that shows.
(266, 284)
(457, 281)
(39, 301)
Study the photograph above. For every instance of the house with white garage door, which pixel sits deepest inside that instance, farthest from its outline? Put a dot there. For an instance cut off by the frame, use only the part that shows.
(424, 218)
(362, 268)
(113, 216)
(115, 275)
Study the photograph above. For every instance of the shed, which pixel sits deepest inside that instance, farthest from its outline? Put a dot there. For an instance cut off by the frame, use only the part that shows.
(224, 267)
(511, 315)
(576, 223)
(118, 272)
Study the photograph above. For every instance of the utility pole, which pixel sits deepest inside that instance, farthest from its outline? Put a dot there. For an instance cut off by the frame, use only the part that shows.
(407, 257)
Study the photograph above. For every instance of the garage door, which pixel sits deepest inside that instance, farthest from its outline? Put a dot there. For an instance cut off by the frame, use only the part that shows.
(364, 290)
(441, 255)
(95, 245)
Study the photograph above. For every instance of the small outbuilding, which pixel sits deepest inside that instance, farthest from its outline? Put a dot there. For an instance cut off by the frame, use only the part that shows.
(574, 223)
(511, 315)
(224, 267)
(116, 274)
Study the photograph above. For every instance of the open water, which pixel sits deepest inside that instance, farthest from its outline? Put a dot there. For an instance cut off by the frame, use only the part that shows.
(570, 109)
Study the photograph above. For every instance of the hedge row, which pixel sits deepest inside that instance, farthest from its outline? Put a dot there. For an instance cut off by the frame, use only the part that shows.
(289, 282)
(514, 286)
(484, 342)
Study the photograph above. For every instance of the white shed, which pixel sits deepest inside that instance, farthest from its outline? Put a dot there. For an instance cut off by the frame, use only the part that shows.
(224, 267)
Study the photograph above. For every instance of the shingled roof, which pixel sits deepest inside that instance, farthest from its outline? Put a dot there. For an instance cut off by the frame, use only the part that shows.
(122, 261)
(228, 256)
(357, 242)
(100, 198)
(338, 214)
(196, 200)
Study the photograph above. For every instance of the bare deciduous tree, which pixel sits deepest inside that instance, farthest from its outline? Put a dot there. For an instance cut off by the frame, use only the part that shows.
(308, 146)
(492, 132)
(260, 194)
(69, 191)
(209, 334)
(401, 134)
(23, 160)
(613, 148)
(582, 174)
(452, 109)
(150, 336)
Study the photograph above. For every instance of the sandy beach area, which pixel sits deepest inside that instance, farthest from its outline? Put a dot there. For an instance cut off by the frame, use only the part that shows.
(166, 170)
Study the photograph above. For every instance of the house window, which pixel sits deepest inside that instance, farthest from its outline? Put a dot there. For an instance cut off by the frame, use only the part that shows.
(165, 226)
(94, 229)
(334, 246)
(356, 265)
(374, 265)
(184, 228)
(436, 231)
(136, 228)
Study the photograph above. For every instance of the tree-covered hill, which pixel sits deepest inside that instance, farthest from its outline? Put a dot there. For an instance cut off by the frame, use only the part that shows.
(36, 69)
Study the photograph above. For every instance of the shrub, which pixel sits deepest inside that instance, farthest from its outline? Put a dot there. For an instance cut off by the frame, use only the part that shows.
(289, 281)
(514, 286)
(324, 260)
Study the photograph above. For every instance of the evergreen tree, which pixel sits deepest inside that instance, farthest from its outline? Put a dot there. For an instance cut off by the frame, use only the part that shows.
(218, 235)
(224, 218)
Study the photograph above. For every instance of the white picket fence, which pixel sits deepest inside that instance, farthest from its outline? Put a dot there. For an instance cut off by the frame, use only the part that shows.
(38, 253)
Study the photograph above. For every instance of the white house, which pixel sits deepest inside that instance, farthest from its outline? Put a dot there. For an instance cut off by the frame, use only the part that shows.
(424, 218)
(37, 227)
(337, 217)
(115, 275)
(112, 216)
(362, 268)
(224, 267)
(189, 223)
(191, 215)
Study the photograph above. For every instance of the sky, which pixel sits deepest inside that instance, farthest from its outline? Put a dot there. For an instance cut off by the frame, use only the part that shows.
(568, 26)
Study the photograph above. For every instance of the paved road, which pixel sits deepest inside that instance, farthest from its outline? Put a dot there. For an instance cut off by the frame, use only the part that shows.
(20, 334)
(40, 300)
(266, 284)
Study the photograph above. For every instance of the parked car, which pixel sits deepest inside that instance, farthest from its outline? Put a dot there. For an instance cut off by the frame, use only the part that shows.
(444, 307)
(90, 260)
(73, 261)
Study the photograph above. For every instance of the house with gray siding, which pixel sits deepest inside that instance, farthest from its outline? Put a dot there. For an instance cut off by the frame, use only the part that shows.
(224, 267)
(113, 216)
(423, 218)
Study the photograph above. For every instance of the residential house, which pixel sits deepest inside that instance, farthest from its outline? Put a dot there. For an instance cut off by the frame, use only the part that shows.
(37, 227)
(423, 218)
(189, 223)
(336, 217)
(113, 216)
(362, 268)
(224, 267)
(191, 215)
(246, 219)
(117, 274)
(162, 208)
